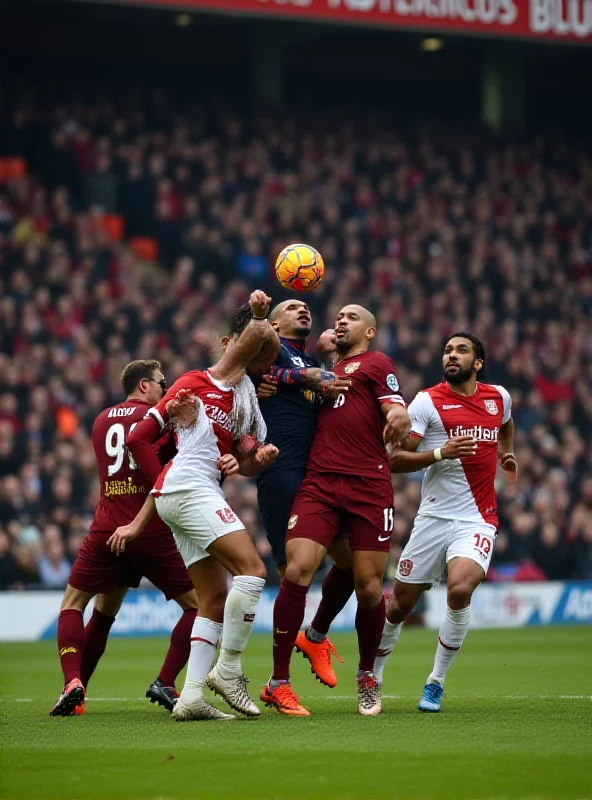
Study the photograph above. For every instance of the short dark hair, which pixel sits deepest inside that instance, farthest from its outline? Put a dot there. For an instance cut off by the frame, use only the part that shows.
(240, 319)
(137, 371)
(478, 346)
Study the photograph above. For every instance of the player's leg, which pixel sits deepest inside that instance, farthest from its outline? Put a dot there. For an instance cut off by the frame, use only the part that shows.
(236, 552)
(211, 577)
(420, 566)
(469, 555)
(369, 568)
(70, 639)
(338, 587)
(158, 558)
(96, 630)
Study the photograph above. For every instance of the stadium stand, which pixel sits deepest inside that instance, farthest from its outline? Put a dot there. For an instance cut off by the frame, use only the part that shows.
(130, 228)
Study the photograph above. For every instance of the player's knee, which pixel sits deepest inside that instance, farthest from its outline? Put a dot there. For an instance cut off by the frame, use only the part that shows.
(460, 593)
(369, 591)
(254, 568)
(75, 599)
(299, 572)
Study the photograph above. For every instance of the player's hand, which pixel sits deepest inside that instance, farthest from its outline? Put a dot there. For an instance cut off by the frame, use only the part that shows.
(509, 464)
(259, 303)
(326, 343)
(459, 446)
(267, 387)
(266, 454)
(398, 426)
(124, 534)
(182, 408)
(335, 388)
(228, 465)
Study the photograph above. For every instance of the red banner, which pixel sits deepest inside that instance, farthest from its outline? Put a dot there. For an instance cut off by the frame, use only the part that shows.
(557, 20)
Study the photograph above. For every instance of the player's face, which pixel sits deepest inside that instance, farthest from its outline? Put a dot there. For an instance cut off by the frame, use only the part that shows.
(294, 320)
(459, 362)
(154, 387)
(351, 329)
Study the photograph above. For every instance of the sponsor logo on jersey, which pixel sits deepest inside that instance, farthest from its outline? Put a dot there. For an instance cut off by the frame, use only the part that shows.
(491, 407)
(120, 412)
(353, 367)
(405, 567)
(115, 488)
(392, 382)
(226, 515)
(214, 396)
(292, 521)
(447, 408)
(479, 432)
(218, 415)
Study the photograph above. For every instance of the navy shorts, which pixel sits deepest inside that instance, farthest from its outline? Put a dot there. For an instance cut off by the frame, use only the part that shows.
(276, 491)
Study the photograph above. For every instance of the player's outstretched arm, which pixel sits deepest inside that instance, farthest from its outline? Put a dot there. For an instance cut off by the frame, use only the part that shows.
(409, 460)
(125, 533)
(233, 364)
(505, 451)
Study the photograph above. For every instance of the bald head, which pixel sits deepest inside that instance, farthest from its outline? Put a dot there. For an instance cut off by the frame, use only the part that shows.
(292, 319)
(354, 329)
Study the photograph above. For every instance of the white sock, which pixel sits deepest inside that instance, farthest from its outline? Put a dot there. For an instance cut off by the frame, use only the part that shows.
(390, 636)
(204, 639)
(450, 638)
(239, 613)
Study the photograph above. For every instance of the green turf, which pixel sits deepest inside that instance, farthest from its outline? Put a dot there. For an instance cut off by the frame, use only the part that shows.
(516, 723)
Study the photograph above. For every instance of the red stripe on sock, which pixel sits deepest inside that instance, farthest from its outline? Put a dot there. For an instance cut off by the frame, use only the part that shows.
(199, 639)
(447, 646)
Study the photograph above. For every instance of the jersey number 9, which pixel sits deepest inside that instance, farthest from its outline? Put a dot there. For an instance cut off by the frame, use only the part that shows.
(115, 447)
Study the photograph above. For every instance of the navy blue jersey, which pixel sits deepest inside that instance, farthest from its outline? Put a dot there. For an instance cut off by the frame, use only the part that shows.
(290, 414)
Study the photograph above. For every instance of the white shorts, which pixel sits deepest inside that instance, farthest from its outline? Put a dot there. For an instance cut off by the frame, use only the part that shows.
(434, 542)
(197, 517)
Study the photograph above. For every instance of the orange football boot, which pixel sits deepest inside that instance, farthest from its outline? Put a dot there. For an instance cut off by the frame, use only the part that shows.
(80, 710)
(319, 656)
(284, 699)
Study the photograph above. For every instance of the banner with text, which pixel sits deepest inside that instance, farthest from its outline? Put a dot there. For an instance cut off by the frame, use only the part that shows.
(30, 616)
(559, 20)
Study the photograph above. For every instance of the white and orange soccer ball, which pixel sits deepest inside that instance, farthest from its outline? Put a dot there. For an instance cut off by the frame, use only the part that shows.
(299, 267)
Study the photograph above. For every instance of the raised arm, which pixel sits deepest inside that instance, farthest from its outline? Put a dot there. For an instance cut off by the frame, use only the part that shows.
(236, 357)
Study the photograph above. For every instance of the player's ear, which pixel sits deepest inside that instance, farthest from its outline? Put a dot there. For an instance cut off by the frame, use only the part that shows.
(224, 342)
(477, 365)
(142, 386)
(370, 333)
(275, 326)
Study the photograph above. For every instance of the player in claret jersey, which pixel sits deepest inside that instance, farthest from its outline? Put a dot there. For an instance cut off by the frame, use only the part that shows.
(215, 415)
(97, 571)
(461, 429)
(347, 484)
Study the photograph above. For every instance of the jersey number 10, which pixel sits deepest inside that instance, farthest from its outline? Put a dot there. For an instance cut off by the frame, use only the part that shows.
(115, 447)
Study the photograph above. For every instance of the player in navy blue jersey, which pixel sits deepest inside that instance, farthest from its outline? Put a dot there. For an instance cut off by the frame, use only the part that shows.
(289, 396)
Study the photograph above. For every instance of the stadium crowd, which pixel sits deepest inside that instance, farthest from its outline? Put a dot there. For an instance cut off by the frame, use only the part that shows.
(435, 230)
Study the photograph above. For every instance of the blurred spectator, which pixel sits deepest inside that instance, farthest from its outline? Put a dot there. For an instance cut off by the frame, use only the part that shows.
(434, 231)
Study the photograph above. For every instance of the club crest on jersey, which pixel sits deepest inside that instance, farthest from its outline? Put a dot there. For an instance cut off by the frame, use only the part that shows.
(405, 567)
(292, 521)
(352, 367)
(491, 407)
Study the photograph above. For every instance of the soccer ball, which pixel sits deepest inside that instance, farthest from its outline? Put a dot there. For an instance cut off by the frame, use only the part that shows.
(299, 267)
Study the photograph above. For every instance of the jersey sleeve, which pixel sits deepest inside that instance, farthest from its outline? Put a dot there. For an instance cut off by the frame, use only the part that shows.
(159, 412)
(384, 380)
(291, 377)
(507, 401)
(420, 411)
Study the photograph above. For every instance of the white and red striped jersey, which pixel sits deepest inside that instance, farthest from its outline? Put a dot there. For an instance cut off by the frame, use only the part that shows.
(200, 446)
(462, 488)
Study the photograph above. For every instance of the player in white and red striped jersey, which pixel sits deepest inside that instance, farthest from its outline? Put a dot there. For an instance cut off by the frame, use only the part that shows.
(460, 430)
(218, 430)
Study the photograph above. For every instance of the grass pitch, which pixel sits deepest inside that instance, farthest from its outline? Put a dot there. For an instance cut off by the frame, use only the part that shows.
(516, 723)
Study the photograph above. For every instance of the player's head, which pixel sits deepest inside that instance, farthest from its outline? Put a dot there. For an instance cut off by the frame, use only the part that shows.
(355, 327)
(463, 358)
(292, 319)
(144, 380)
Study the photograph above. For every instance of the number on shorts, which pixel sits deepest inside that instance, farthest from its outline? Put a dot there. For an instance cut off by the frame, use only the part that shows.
(482, 543)
(115, 447)
(389, 519)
